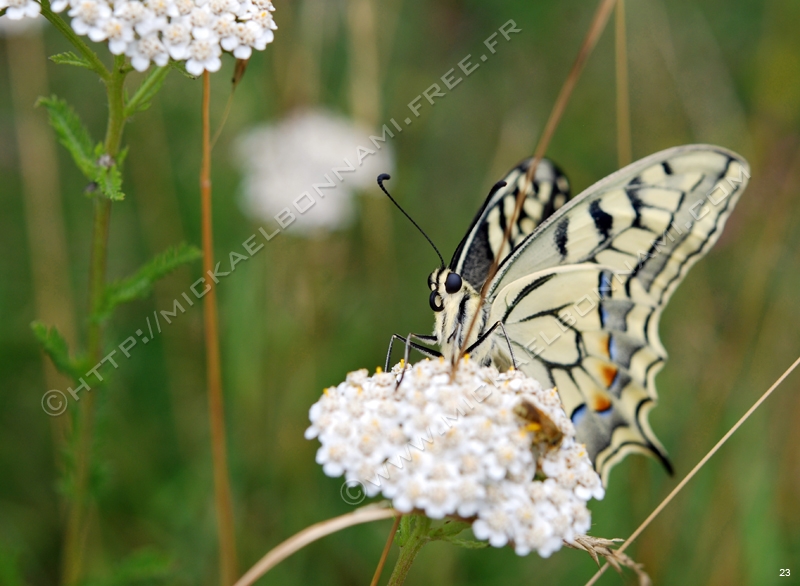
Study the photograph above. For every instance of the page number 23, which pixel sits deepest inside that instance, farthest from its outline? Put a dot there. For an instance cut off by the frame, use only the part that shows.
(785, 572)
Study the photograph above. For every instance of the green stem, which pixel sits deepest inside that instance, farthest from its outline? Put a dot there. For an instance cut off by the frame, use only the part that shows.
(77, 521)
(77, 42)
(408, 552)
(116, 106)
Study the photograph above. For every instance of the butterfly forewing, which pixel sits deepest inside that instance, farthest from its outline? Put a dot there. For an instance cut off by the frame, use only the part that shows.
(581, 296)
(484, 239)
(621, 221)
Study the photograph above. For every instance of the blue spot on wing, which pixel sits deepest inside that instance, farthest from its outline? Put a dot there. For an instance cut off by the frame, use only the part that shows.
(579, 413)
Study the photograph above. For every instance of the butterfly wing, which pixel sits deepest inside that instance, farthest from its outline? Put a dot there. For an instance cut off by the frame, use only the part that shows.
(611, 258)
(482, 243)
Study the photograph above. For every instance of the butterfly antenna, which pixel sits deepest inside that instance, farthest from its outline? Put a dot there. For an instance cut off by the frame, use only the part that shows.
(383, 177)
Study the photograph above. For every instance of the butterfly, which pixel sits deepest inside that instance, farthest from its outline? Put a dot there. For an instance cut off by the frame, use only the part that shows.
(581, 284)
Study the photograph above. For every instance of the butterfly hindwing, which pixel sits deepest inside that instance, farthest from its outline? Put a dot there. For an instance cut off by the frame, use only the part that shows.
(574, 328)
(582, 295)
(482, 243)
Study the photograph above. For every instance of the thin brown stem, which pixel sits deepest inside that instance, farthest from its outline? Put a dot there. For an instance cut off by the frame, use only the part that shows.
(385, 554)
(697, 467)
(624, 151)
(596, 27)
(216, 411)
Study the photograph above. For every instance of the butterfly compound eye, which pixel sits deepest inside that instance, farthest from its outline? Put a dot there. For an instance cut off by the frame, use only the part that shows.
(453, 283)
(436, 302)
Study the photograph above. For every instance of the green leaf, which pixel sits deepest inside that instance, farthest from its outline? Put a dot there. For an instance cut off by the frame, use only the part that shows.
(54, 344)
(141, 283)
(109, 174)
(102, 170)
(179, 65)
(72, 134)
(467, 543)
(121, 156)
(145, 93)
(449, 529)
(70, 58)
(109, 180)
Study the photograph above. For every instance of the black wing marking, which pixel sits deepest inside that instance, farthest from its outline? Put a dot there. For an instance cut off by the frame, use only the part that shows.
(477, 250)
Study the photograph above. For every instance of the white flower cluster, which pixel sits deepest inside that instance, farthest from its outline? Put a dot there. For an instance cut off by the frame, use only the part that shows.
(195, 31)
(283, 160)
(19, 9)
(461, 447)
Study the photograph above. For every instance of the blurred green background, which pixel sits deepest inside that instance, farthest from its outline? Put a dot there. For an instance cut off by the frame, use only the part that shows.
(305, 311)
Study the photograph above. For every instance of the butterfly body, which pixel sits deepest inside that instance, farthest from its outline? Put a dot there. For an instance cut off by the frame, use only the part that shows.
(454, 313)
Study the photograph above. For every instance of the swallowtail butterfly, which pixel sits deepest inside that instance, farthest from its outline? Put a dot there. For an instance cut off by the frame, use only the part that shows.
(582, 282)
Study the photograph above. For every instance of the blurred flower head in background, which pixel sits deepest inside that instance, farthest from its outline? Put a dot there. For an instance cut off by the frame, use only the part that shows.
(460, 448)
(153, 31)
(281, 161)
(18, 10)
(22, 25)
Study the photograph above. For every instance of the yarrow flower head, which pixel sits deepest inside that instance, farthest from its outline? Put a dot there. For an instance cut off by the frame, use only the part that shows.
(295, 164)
(152, 31)
(19, 9)
(492, 448)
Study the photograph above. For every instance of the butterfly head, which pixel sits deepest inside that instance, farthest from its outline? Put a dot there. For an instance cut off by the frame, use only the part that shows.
(444, 285)
(455, 302)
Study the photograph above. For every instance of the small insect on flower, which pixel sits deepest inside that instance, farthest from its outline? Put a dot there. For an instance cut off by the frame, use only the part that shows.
(539, 422)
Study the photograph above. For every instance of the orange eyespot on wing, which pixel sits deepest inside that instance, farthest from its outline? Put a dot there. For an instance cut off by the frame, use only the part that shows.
(601, 403)
(609, 373)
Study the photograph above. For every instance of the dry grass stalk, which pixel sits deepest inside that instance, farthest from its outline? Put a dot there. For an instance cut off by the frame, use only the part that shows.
(597, 547)
(273, 557)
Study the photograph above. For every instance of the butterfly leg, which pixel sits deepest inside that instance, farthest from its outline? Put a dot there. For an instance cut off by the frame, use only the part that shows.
(486, 335)
(409, 344)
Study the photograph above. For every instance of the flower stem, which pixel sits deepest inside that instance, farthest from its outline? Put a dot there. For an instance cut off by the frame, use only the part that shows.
(408, 552)
(216, 411)
(78, 517)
